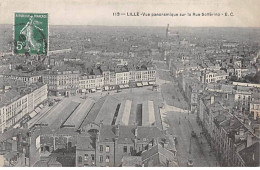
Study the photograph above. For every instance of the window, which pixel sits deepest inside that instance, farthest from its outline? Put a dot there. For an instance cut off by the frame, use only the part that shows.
(101, 148)
(107, 149)
(86, 157)
(92, 157)
(131, 149)
(80, 159)
(125, 149)
(107, 159)
(101, 159)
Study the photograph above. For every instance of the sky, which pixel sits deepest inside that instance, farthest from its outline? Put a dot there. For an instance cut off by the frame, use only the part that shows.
(100, 12)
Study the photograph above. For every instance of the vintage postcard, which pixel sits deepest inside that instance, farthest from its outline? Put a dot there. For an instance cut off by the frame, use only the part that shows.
(134, 83)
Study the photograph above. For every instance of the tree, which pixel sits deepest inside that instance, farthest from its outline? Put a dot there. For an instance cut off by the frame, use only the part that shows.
(249, 78)
(19, 67)
(40, 67)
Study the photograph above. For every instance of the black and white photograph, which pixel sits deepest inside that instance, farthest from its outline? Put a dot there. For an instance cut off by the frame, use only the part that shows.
(133, 83)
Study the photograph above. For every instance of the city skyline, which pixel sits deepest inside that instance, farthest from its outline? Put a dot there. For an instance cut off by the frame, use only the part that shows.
(126, 90)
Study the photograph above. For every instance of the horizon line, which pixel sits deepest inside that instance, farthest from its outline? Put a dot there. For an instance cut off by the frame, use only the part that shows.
(150, 26)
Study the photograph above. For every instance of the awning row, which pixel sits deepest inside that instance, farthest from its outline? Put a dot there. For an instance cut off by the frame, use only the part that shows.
(145, 83)
(139, 84)
(36, 111)
(125, 86)
(32, 114)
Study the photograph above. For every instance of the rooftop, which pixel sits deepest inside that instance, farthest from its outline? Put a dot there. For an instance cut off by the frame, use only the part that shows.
(15, 90)
(163, 155)
(251, 155)
(85, 143)
(131, 161)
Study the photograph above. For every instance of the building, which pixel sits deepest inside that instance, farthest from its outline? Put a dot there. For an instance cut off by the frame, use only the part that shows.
(243, 97)
(227, 130)
(209, 76)
(176, 68)
(91, 81)
(19, 101)
(122, 76)
(65, 80)
(62, 81)
(157, 155)
(28, 78)
(250, 155)
(85, 152)
(120, 61)
(221, 75)
(113, 143)
(231, 140)
(191, 86)
(210, 105)
(255, 106)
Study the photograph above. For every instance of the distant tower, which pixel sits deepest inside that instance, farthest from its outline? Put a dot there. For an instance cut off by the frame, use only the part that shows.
(167, 30)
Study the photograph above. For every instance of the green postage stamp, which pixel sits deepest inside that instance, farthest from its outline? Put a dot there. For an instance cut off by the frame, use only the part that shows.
(31, 33)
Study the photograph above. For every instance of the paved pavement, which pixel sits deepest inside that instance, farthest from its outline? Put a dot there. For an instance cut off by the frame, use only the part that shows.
(179, 122)
(195, 148)
(170, 91)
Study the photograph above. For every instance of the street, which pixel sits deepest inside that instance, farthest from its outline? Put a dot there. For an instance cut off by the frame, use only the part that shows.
(180, 123)
(194, 148)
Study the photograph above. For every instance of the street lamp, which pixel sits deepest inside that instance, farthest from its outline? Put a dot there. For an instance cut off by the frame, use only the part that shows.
(190, 146)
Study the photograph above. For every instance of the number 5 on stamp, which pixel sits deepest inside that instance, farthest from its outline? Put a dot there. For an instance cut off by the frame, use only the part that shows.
(31, 33)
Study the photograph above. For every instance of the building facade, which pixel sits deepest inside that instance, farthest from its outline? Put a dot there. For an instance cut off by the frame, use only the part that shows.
(14, 105)
(62, 82)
